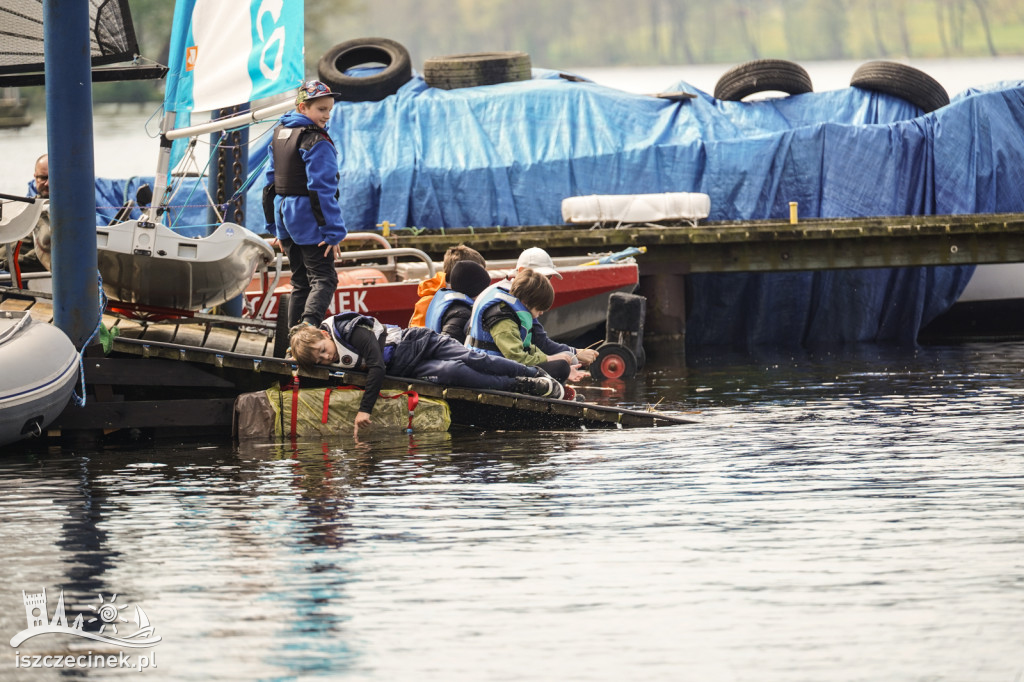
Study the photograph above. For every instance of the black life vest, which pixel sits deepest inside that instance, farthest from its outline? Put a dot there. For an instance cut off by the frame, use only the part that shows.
(289, 170)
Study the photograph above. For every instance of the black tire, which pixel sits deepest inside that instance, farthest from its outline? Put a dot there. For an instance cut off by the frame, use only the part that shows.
(614, 361)
(900, 80)
(761, 75)
(477, 68)
(360, 51)
(281, 326)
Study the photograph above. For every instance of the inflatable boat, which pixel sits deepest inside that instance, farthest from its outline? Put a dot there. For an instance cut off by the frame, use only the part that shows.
(38, 369)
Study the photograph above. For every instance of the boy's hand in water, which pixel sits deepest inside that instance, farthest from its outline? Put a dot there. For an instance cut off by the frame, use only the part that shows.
(362, 419)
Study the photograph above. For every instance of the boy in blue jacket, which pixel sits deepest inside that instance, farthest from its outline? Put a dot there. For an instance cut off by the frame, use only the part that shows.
(300, 201)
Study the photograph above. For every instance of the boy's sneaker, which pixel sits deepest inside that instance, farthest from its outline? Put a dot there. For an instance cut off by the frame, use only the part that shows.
(542, 386)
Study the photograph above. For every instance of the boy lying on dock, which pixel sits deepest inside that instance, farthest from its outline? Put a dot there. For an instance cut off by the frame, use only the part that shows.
(361, 342)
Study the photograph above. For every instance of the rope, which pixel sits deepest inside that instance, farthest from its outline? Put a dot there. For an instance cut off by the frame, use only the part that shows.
(80, 401)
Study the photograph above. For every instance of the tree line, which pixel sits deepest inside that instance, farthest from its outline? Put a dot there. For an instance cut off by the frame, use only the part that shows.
(568, 33)
(562, 34)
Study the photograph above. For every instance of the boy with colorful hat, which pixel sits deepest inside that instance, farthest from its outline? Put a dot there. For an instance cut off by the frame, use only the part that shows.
(300, 201)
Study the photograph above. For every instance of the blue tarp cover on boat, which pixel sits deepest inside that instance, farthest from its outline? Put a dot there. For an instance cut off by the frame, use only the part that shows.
(508, 154)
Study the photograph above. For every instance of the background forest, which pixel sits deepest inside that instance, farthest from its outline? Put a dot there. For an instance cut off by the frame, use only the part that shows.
(563, 34)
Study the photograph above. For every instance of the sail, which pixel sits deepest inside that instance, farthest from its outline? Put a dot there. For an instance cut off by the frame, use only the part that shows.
(112, 40)
(228, 52)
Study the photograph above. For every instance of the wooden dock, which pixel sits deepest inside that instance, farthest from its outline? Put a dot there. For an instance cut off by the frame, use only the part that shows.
(186, 373)
(675, 250)
(761, 246)
(183, 376)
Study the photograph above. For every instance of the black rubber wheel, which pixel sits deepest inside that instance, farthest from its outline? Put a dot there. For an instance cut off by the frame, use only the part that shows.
(477, 68)
(281, 326)
(613, 362)
(762, 75)
(900, 80)
(365, 51)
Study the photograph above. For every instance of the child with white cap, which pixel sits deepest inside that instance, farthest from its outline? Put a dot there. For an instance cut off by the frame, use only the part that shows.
(538, 260)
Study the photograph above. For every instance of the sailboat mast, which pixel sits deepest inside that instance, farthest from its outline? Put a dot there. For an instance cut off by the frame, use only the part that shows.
(169, 134)
(163, 167)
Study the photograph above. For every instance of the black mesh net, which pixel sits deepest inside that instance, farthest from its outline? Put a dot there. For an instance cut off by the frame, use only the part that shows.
(21, 34)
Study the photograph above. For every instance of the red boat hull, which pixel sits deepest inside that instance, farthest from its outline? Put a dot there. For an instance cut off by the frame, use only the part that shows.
(581, 296)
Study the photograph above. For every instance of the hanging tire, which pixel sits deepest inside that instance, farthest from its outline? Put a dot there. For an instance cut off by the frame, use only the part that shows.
(360, 52)
(477, 68)
(281, 326)
(613, 362)
(900, 80)
(762, 75)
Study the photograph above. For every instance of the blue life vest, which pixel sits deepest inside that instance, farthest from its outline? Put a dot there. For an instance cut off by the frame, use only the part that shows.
(341, 327)
(485, 309)
(439, 305)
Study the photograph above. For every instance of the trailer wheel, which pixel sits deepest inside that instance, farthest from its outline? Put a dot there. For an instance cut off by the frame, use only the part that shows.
(364, 51)
(900, 80)
(476, 68)
(281, 326)
(613, 362)
(760, 75)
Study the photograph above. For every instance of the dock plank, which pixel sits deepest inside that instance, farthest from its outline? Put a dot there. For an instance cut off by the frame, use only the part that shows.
(15, 304)
(762, 245)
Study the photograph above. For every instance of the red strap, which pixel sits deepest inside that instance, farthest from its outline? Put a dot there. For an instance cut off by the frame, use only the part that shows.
(295, 404)
(412, 402)
(327, 405)
(15, 265)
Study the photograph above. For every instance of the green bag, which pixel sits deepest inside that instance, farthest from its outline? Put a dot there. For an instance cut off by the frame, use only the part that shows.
(332, 411)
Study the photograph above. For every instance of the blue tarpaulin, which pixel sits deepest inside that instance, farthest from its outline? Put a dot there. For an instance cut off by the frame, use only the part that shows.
(508, 154)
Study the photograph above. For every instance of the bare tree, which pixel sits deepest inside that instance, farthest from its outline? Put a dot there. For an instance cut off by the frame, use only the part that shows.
(901, 22)
(980, 4)
(940, 21)
(743, 14)
(876, 28)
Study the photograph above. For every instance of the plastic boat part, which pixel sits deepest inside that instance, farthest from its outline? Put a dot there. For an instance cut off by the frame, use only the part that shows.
(150, 264)
(19, 217)
(38, 368)
(636, 208)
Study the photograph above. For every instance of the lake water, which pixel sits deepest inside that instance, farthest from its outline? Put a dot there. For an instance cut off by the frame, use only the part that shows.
(847, 517)
(850, 516)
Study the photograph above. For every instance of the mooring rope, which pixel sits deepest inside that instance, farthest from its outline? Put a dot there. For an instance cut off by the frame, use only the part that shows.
(80, 401)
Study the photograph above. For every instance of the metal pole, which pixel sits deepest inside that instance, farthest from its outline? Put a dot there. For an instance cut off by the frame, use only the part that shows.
(72, 171)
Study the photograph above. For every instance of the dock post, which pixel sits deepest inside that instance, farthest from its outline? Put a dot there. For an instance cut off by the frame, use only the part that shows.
(665, 289)
(69, 137)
